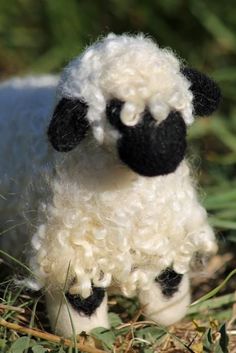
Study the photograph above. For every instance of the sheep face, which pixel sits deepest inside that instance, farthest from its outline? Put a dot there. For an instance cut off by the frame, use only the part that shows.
(136, 99)
(149, 148)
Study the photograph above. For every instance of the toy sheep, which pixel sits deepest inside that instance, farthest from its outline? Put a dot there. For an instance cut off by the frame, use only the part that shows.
(118, 207)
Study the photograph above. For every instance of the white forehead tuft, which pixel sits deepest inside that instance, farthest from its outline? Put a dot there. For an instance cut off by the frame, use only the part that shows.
(130, 68)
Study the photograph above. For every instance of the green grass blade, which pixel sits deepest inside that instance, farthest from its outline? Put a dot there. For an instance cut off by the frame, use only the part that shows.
(215, 290)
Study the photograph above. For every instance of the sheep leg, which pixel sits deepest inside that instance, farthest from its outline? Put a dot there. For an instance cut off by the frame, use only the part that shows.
(70, 313)
(167, 300)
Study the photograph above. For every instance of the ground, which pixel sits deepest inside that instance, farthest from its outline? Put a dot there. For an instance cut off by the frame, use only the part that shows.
(208, 327)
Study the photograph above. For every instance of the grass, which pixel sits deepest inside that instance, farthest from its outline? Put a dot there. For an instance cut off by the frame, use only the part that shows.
(41, 36)
(23, 326)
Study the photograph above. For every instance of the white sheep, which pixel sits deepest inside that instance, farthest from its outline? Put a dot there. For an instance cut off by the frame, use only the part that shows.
(120, 208)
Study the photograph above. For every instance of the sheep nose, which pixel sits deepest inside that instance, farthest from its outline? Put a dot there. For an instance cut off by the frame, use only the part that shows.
(150, 149)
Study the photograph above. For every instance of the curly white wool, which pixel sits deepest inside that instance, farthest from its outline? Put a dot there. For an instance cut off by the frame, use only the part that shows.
(104, 224)
(108, 225)
(130, 68)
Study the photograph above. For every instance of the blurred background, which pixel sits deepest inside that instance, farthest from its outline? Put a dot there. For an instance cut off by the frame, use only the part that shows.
(39, 36)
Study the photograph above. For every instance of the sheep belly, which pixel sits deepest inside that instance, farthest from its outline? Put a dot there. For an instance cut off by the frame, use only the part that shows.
(126, 234)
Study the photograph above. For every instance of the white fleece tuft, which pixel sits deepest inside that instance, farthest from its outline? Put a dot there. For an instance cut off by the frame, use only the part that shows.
(110, 226)
(130, 68)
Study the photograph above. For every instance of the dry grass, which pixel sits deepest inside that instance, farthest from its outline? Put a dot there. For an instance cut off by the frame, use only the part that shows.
(203, 33)
(207, 327)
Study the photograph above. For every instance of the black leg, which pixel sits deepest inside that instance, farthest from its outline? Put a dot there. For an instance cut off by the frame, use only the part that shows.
(87, 306)
(169, 281)
(167, 299)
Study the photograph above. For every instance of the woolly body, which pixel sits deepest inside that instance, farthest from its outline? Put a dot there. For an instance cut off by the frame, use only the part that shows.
(110, 223)
(99, 216)
(26, 106)
(98, 222)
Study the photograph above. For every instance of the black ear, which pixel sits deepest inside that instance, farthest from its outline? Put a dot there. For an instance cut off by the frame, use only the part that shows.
(206, 93)
(69, 124)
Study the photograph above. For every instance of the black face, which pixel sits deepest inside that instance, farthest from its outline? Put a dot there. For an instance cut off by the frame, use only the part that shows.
(148, 148)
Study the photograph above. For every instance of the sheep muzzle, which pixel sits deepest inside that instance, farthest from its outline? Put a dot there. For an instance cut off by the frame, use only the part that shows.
(149, 148)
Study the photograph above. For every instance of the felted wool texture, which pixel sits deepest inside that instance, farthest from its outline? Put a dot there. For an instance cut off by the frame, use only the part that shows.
(159, 309)
(169, 281)
(132, 69)
(68, 125)
(66, 322)
(108, 225)
(98, 220)
(207, 95)
(89, 305)
(26, 106)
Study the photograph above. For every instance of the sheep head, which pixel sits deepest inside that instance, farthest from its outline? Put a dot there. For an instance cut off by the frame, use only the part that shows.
(132, 96)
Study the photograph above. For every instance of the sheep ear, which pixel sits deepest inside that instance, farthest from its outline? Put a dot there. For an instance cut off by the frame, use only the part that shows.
(69, 124)
(206, 93)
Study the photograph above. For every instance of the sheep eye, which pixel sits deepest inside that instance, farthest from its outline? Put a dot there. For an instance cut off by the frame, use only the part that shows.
(113, 111)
